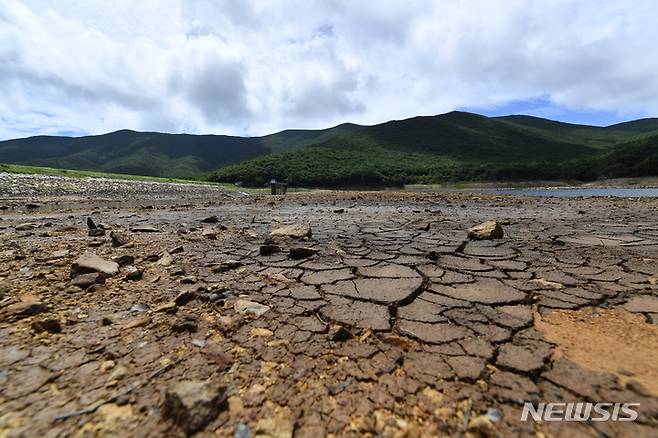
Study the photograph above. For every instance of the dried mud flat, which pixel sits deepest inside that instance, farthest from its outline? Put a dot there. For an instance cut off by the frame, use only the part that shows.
(384, 321)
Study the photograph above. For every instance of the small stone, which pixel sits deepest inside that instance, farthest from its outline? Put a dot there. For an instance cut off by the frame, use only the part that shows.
(84, 281)
(24, 309)
(486, 231)
(166, 259)
(268, 249)
(296, 231)
(209, 234)
(168, 307)
(26, 226)
(177, 250)
(60, 254)
(250, 307)
(140, 308)
(140, 321)
(190, 279)
(184, 298)
(210, 220)
(144, 229)
(186, 323)
(119, 239)
(192, 404)
(96, 232)
(132, 273)
(90, 224)
(124, 260)
(50, 325)
(227, 265)
(302, 252)
(90, 262)
(338, 333)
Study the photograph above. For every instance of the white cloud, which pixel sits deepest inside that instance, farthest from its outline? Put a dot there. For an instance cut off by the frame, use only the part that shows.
(254, 67)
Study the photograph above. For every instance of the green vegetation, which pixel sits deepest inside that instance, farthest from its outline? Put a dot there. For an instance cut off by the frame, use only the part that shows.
(35, 170)
(451, 147)
(460, 147)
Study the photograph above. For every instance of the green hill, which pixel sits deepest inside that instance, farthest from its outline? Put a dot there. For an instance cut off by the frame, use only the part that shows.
(449, 147)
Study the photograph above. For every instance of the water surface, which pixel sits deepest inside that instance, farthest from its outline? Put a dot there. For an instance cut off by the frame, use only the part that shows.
(563, 192)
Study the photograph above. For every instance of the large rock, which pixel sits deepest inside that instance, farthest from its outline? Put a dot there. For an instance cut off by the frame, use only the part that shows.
(296, 231)
(192, 404)
(486, 231)
(90, 262)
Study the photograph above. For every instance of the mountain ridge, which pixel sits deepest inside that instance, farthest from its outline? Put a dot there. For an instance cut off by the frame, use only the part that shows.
(428, 145)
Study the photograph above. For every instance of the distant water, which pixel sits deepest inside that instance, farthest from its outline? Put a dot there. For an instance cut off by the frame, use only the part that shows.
(651, 192)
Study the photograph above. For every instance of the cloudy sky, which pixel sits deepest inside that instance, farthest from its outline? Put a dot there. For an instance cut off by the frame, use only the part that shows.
(243, 67)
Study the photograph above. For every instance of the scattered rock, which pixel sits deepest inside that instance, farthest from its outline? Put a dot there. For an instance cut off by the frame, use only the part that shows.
(124, 260)
(268, 249)
(140, 308)
(50, 325)
(84, 281)
(140, 321)
(250, 307)
(296, 231)
(177, 250)
(60, 254)
(186, 323)
(486, 231)
(184, 298)
(96, 232)
(166, 259)
(144, 229)
(192, 404)
(132, 273)
(227, 265)
(23, 309)
(119, 239)
(209, 234)
(210, 220)
(338, 333)
(90, 262)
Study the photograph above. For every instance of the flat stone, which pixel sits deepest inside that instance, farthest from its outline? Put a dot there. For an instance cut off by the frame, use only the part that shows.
(484, 291)
(642, 304)
(357, 313)
(466, 367)
(486, 231)
(83, 281)
(388, 271)
(527, 357)
(296, 231)
(435, 333)
(192, 404)
(328, 276)
(166, 259)
(382, 290)
(144, 229)
(250, 307)
(23, 309)
(90, 262)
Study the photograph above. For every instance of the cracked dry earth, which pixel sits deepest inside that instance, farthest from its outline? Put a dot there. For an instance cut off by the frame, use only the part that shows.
(386, 321)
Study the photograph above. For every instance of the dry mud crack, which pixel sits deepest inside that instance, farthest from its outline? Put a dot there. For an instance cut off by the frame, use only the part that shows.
(389, 323)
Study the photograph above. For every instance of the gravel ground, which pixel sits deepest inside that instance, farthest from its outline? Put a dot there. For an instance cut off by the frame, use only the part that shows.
(373, 315)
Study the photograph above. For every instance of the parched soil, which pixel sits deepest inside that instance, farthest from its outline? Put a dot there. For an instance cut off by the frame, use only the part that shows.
(384, 321)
